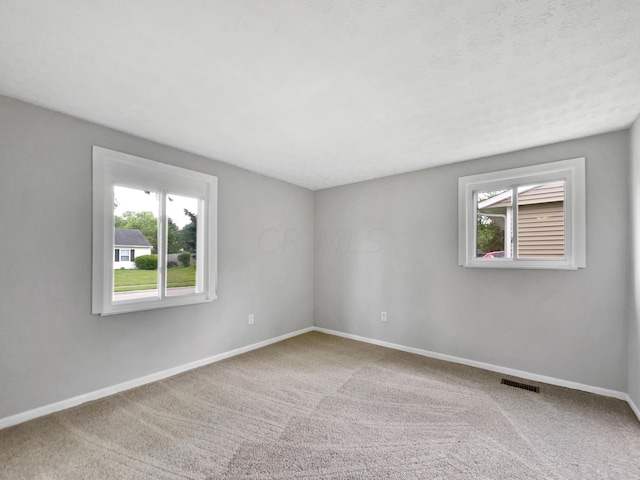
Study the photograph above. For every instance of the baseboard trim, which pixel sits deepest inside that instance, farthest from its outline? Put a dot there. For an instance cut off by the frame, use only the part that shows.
(154, 377)
(487, 366)
(633, 406)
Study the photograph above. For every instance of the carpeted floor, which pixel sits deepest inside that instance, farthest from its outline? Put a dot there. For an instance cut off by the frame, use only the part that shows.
(319, 406)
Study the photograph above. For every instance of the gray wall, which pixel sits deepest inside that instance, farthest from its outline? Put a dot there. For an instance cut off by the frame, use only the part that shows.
(634, 317)
(391, 245)
(51, 347)
(387, 244)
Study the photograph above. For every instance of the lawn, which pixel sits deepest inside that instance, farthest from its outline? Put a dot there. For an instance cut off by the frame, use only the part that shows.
(129, 280)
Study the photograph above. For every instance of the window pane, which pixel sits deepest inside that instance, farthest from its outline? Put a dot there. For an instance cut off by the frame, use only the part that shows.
(136, 227)
(182, 245)
(541, 228)
(493, 224)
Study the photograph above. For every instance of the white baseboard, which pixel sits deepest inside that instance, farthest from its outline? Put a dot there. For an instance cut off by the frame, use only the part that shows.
(488, 366)
(137, 382)
(633, 406)
(154, 377)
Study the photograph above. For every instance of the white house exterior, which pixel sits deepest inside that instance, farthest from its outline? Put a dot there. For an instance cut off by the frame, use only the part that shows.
(128, 245)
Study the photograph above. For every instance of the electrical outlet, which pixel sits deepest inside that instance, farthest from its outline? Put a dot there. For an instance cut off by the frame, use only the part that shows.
(251, 318)
(383, 316)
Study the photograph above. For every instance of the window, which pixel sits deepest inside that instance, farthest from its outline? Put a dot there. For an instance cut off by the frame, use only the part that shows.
(530, 217)
(161, 213)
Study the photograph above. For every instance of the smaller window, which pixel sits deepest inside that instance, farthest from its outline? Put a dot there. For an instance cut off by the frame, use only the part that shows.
(530, 217)
(124, 255)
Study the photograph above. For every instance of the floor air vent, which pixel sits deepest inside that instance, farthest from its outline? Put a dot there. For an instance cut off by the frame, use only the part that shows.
(524, 386)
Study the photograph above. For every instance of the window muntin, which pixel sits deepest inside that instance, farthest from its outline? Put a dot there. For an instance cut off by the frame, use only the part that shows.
(169, 190)
(543, 228)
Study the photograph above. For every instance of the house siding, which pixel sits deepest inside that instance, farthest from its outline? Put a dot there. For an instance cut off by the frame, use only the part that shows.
(541, 230)
(138, 251)
(540, 220)
(549, 192)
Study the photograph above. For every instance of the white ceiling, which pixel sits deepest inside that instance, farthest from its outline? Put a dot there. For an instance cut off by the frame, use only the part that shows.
(328, 92)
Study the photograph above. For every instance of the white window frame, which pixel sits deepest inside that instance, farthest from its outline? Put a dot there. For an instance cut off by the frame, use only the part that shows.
(112, 168)
(571, 171)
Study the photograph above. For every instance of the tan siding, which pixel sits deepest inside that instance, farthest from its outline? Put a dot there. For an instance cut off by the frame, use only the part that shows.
(545, 193)
(541, 230)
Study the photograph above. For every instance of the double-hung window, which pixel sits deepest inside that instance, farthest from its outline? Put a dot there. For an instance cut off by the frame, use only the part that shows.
(529, 217)
(165, 212)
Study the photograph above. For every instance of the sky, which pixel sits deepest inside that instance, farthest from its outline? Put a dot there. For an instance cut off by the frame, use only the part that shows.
(134, 200)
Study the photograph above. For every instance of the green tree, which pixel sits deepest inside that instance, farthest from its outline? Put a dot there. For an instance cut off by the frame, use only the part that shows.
(190, 232)
(146, 222)
(489, 234)
(174, 238)
(185, 258)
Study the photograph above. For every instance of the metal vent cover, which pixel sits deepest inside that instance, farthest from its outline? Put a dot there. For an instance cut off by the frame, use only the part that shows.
(524, 386)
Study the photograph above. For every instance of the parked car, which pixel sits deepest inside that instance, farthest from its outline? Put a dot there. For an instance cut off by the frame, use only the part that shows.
(497, 254)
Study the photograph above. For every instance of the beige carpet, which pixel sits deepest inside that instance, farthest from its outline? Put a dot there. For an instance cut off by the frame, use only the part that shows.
(318, 406)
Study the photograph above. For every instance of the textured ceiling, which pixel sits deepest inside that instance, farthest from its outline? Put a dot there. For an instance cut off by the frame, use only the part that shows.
(328, 92)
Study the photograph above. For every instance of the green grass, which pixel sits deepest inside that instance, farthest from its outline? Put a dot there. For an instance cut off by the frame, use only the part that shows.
(129, 280)
(181, 276)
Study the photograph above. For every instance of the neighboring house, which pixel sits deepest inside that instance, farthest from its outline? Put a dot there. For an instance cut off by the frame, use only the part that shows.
(129, 244)
(540, 219)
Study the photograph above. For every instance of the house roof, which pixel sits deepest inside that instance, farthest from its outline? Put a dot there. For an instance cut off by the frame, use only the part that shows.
(130, 237)
(532, 194)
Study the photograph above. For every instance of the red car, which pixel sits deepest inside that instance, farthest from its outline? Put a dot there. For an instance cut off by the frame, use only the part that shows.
(498, 254)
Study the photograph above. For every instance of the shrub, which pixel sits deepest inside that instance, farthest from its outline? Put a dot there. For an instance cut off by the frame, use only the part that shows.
(185, 258)
(172, 264)
(147, 262)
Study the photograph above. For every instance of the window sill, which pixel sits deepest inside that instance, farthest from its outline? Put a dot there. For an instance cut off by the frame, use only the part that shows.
(117, 308)
(519, 265)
